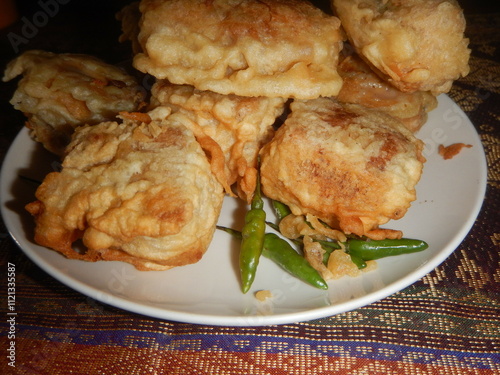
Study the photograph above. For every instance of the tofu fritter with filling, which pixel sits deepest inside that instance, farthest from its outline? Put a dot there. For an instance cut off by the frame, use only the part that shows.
(417, 45)
(134, 192)
(239, 125)
(274, 48)
(59, 92)
(352, 167)
(362, 86)
(129, 17)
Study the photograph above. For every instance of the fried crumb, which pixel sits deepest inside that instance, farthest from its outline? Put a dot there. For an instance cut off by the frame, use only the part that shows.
(448, 152)
(136, 116)
(263, 295)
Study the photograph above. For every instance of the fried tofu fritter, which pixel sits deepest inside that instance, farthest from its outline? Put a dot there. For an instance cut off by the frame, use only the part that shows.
(240, 126)
(59, 92)
(274, 48)
(134, 192)
(129, 17)
(417, 45)
(352, 167)
(362, 86)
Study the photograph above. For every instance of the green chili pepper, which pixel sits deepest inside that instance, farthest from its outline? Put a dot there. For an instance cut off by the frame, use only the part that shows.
(233, 232)
(281, 210)
(329, 247)
(296, 241)
(276, 227)
(376, 249)
(359, 262)
(252, 239)
(30, 180)
(282, 253)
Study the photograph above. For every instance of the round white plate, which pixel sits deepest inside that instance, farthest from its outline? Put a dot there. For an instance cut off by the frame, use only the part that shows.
(450, 195)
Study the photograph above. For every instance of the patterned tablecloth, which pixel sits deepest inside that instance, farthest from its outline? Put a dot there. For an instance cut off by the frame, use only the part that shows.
(448, 322)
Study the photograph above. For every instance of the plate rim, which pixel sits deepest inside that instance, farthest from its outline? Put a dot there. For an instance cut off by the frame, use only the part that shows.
(255, 320)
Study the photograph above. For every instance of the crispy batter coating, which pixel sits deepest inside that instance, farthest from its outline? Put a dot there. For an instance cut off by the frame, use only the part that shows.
(240, 126)
(59, 92)
(362, 86)
(135, 192)
(352, 167)
(274, 48)
(414, 44)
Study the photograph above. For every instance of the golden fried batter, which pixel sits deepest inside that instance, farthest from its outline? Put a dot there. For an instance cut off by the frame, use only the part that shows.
(362, 86)
(274, 48)
(239, 126)
(59, 92)
(135, 192)
(417, 45)
(352, 167)
(129, 17)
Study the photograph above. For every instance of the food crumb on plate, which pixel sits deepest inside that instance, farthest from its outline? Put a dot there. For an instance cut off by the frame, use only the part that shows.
(448, 152)
(263, 295)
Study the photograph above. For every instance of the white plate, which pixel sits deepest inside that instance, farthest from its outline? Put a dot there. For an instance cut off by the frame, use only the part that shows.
(450, 195)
